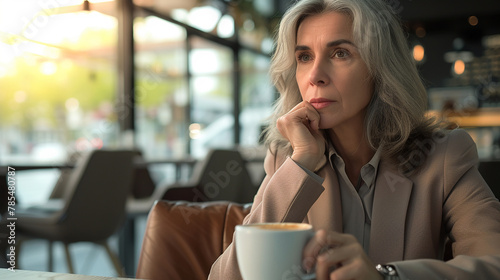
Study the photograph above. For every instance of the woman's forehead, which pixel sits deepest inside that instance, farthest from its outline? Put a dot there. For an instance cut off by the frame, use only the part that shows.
(325, 26)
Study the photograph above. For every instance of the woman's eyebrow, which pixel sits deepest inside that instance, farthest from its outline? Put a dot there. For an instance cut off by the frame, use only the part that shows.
(339, 42)
(328, 45)
(301, 48)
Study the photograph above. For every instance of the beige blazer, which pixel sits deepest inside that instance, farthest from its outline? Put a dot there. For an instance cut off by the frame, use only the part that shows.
(411, 218)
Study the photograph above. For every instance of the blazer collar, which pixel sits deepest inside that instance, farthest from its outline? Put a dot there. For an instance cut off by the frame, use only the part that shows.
(390, 205)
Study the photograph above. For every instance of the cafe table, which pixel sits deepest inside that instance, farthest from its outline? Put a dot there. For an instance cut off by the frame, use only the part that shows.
(16, 274)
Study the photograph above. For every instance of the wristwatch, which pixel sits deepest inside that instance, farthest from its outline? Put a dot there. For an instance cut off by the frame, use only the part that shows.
(387, 271)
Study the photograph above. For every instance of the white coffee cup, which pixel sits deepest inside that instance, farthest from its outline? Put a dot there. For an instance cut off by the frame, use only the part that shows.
(271, 251)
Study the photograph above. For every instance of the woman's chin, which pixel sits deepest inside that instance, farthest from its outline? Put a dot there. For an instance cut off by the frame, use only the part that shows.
(325, 126)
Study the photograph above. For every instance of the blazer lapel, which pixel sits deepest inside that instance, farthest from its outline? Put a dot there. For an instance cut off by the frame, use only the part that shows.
(326, 213)
(390, 205)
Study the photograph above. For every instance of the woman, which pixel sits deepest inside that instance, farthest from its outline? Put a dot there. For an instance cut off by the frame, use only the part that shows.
(352, 154)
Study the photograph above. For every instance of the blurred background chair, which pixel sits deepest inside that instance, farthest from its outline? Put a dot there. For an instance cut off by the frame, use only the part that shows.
(183, 239)
(221, 175)
(143, 185)
(60, 187)
(92, 206)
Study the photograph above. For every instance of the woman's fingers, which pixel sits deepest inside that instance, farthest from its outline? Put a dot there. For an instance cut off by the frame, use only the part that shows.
(348, 271)
(312, 250)
(300, 126)
(303, 113)
(312, 115)
(334, 251)
(336, 258)
(320, 244)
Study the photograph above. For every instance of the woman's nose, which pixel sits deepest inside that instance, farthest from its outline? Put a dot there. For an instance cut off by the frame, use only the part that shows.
(318, 75)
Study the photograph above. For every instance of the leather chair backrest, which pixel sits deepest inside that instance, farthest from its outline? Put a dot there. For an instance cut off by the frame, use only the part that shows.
(183, 239)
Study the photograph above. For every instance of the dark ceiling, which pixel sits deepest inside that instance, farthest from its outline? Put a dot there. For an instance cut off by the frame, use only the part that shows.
(451, 16)
(434, 10)
(444, 21)
(442, 14)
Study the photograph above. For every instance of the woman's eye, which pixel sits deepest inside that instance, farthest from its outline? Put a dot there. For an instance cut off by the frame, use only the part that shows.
(303, 57)
(341, 54)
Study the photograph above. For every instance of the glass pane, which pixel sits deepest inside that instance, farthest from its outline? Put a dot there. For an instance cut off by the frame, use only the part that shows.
(257, 96)
(57, 81)
(161, 88)
(211, 85)
(253, 18)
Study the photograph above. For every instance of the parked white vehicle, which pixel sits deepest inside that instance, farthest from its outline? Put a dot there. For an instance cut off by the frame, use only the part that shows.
(219, 133)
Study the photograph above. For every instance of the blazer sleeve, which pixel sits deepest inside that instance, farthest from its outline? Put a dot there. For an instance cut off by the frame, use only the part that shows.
(285, 195)
(471, 219)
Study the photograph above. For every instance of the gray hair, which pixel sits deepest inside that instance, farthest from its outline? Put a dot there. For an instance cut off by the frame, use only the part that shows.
(398, 105)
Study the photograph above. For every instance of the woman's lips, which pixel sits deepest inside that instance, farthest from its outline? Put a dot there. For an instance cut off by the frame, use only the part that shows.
(320, 103)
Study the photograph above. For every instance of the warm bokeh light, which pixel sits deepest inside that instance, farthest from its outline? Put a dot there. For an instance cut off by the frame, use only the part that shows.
(420, 32)
(473, 20)
(48, 68)
(37, 27)
(459, 67)
(194, 130)
(418, 52)
(20, 96)
(72, 104)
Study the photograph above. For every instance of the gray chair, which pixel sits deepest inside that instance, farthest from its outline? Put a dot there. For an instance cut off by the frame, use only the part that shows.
(60, 187)
(221, 176)
(92, 208)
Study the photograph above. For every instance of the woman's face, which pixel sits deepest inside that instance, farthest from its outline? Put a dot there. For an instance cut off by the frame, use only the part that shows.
(330, 72)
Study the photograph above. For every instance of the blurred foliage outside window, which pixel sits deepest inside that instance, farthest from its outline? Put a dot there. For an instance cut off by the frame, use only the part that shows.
(57, 80)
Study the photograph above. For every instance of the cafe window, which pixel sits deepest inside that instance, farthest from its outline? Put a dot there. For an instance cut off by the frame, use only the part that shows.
(257, 97)
(211, 89)
(57, 86)
(57, 80)
(161, 91)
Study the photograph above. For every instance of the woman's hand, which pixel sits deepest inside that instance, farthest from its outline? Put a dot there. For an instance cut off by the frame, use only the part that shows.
(301, 127)
(338, 256)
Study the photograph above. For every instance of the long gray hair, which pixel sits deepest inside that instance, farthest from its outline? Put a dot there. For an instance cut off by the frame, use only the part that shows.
(395, 115)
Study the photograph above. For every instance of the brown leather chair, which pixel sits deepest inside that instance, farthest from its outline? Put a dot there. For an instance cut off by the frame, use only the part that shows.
(183, 239)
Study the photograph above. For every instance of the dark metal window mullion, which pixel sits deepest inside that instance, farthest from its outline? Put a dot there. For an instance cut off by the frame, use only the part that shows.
(125, 108)
(236, 95)
(189, 90)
